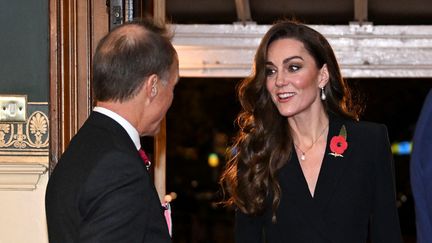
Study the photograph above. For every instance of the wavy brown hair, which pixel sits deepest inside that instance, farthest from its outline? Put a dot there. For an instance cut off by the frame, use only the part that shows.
(264, 142)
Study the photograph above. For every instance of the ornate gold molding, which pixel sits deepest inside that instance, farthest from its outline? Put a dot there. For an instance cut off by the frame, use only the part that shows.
(20, 136)
(26, 142)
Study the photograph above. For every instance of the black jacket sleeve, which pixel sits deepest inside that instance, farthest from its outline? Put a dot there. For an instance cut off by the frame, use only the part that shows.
(385, 226)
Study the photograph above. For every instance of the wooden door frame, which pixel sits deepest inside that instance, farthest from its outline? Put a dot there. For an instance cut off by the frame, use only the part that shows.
(75, 28)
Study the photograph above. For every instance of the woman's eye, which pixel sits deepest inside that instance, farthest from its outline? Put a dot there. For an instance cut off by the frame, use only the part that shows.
(293, 68)
(270, 71)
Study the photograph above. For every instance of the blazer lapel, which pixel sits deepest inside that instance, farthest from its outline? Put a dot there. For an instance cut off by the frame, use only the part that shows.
(330, 174)
(305, 203)
(332, 167)
(299, 195)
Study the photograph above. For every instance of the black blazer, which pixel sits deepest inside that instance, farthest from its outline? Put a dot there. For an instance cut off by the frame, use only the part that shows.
(100, 190)
(354, 195)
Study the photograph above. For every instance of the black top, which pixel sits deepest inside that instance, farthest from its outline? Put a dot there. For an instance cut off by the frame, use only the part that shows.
(100, 190)
(354, 196)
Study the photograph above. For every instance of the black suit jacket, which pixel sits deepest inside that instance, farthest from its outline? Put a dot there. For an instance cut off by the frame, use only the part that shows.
(100, 190)
(354, 195)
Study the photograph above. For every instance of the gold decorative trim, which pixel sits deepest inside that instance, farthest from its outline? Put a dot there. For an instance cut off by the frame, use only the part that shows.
(37, 103)
(25, 142)
(22, 136)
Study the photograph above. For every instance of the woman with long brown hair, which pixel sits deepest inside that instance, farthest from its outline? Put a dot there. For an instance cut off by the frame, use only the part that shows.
(303, 168)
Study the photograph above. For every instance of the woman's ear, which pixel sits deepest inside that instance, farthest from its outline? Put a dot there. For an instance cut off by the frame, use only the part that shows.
(323, 76)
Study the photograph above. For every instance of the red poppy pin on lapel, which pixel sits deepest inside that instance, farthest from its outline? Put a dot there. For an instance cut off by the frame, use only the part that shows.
(338, 144)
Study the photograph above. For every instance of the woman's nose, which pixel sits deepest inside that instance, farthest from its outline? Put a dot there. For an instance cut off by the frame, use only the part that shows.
(281, 80)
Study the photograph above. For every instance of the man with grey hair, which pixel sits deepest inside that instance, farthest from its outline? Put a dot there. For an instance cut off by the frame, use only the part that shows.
(100, 190)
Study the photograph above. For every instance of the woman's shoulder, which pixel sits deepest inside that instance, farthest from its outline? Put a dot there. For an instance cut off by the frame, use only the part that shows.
(368, 125)
(374, 133)
(362, 127)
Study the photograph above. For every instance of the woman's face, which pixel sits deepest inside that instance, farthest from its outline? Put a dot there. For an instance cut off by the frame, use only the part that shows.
(292, 77)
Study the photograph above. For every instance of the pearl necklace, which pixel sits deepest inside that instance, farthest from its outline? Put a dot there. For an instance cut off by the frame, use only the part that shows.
(303, 153)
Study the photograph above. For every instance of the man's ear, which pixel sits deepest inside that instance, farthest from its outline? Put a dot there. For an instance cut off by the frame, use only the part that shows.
(323, 76)
(152, 86)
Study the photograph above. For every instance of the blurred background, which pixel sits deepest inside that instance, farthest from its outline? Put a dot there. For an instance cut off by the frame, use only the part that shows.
(200, 123)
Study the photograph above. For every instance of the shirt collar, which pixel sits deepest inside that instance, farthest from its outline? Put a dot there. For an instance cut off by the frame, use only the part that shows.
(131, 131)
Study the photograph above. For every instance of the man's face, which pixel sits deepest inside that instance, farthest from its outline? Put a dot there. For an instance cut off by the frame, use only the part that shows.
(163, 99)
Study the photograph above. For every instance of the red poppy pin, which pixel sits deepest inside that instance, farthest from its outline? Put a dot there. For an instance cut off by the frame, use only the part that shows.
(338, 144)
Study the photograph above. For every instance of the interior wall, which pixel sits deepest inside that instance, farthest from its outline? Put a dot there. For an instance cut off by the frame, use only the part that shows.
(23, 215)
(24, 48)
(24, 70)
